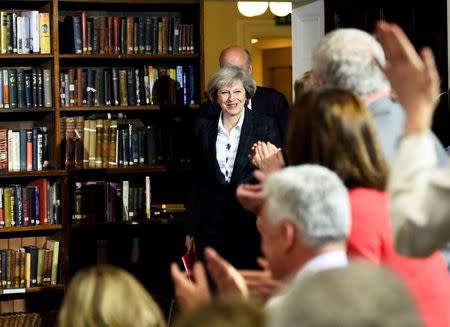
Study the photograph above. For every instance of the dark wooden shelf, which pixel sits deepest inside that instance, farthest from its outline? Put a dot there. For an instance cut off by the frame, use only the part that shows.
(130, 108)
(128, 170)
(128, 56)
(145, 222)
(28, 110)
(33, 173)
(34, 228)
(8, 291)
(24, 56)
(110, 108)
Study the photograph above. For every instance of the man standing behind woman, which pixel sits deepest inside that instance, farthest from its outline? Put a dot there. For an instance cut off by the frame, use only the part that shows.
(223, 140)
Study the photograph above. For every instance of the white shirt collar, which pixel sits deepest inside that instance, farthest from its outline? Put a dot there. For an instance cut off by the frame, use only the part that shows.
(238, 125)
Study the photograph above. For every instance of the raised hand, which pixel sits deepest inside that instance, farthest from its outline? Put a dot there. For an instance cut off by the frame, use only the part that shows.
(414, 78)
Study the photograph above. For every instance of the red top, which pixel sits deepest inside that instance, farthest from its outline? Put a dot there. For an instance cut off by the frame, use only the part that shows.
(371, 238)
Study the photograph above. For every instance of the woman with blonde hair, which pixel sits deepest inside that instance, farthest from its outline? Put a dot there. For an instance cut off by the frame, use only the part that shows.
(108, 296)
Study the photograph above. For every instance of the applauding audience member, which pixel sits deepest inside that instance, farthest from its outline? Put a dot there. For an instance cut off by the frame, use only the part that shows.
(108, 296)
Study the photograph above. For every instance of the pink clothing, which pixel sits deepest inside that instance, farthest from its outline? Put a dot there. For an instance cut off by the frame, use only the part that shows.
(371, 238)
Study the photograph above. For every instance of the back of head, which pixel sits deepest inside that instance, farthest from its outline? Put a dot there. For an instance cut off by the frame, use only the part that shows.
(304, 83)
(331, 127)
(224, 312)
(347, 58)
(314, 199)
(359, 295)
(108, 296)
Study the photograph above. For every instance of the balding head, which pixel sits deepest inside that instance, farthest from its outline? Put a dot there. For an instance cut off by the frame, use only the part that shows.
(235, 55)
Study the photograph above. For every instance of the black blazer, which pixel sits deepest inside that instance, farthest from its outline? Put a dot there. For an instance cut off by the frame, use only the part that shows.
(217, 219)
(266, 101)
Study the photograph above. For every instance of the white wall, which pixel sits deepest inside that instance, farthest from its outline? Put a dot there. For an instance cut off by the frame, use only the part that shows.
(308, 27)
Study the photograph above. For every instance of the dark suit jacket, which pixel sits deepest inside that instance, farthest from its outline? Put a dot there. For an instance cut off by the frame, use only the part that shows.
(266, 101)
(217, 219)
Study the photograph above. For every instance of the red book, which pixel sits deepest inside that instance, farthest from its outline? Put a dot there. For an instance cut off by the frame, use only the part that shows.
(116, 34)
(110, 33)
(29, 150)
(42, 184)
(130, 34)
(189, 259)
(3, 149)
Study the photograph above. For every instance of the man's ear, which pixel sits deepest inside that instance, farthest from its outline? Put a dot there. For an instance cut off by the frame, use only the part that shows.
(289, 234)
(250, 69)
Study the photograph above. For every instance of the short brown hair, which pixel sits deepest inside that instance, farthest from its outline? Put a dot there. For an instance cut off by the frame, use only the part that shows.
(333, 128)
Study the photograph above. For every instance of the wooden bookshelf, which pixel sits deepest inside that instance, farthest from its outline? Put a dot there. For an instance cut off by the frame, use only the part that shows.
(48, 288)
(34, 228)
(169, 176)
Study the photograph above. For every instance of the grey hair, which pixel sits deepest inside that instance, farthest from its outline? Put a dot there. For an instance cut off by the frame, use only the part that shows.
(347, 58)
(226, 76)
(314, 199)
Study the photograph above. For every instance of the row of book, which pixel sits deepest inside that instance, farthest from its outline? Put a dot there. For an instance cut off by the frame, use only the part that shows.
(25, 32)
(104, 143)
(24, 149)
(132, 86)
(25, 88)
(30, 319)
(137, 34)
(100, 201)
(29, 266)
(37, 203)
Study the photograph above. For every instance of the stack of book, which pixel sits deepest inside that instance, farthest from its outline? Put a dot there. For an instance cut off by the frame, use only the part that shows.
(25, 88)
(38, 203)
(28, 319)
(24, 149)
(29, 266)
(25, 32)
(137, 33)
(105, 143)
(100, 201)
(132, 86)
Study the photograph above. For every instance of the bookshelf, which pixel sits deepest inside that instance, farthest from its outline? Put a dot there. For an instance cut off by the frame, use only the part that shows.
(64, 91)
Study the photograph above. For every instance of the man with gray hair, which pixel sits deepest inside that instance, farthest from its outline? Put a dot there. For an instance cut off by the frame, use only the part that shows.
(304, 225)
(350, 58)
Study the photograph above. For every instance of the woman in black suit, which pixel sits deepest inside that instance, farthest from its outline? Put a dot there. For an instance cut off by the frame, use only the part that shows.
(222, 144)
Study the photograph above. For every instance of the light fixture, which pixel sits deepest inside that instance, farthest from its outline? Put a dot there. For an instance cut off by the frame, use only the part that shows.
(254, 41)
(255, 8)
(252, 8)
(280, 9)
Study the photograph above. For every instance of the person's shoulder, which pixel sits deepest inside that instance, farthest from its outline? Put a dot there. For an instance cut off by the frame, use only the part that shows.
(267, 91)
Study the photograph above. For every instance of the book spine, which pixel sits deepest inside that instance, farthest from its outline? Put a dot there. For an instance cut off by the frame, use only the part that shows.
(12, 76)
(148, 197)
(20, 88)
(47, 88)
(23, 149)
(3, 149)
(28, 89)
(44, 32)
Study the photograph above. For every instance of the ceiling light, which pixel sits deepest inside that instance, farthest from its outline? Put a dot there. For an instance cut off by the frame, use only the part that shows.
(252, 8)
(254, 41)
(280, 9)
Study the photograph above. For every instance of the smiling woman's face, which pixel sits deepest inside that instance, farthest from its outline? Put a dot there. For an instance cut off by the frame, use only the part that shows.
(231, 99)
